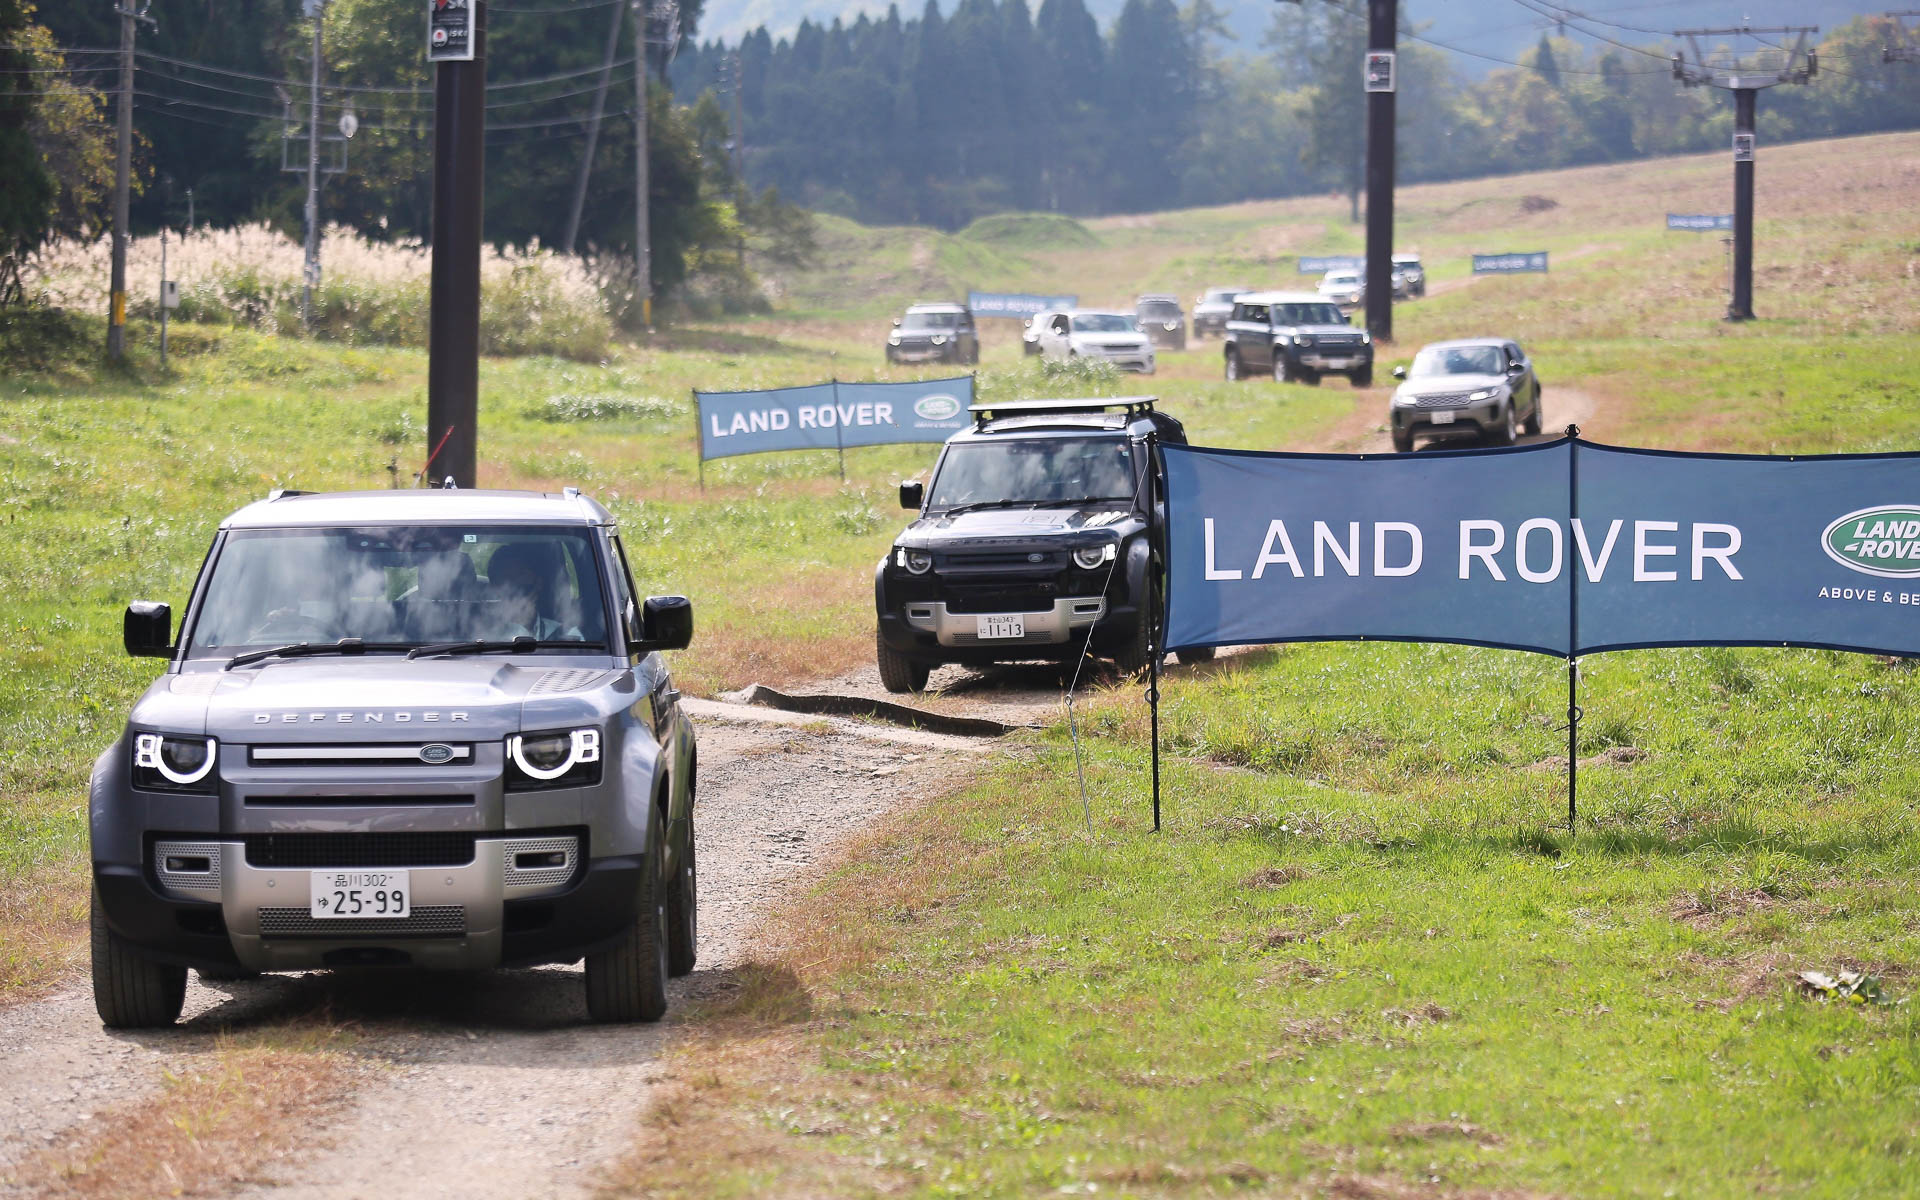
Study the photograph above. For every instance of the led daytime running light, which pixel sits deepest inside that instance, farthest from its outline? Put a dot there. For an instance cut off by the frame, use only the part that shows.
(146, 753)
(585, 748)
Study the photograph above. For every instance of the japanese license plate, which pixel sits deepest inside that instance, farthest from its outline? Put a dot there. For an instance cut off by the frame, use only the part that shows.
(359, 894)
(1001, 625)
(1444, 416)
(1338, 364)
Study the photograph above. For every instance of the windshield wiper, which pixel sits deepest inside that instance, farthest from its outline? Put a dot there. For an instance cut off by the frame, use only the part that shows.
(1083, 501)
(979, 504)
(346, 645)
(520, 645)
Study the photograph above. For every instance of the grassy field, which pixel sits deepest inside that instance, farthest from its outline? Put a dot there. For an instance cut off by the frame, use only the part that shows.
(1005, 1006)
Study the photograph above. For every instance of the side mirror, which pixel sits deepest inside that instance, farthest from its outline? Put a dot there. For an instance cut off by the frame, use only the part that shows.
(1399, 372)
(666, 623)
(912, 494)
(1514, 368)
(147, 629)
(896, 322)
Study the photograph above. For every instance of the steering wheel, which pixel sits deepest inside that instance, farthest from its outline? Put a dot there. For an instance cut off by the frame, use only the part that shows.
(286, 623)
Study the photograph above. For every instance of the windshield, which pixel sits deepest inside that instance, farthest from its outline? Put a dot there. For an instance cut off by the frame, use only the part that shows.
(1340, 280)
(1221, 295)
(1039, 469)
(1307, 314)
(931, 320)
(1158, 310)
(1458, 360)
(1104, 323)
(402, 585)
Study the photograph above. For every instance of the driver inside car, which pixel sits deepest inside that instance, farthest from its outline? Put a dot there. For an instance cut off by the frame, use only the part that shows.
(521, 578)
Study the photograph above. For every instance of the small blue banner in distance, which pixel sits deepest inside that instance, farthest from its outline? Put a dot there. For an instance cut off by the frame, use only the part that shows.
(1016, 304)
(1701, 222)
(1311, 264)
(1564, 547)
(1509, 264)
(829, 416)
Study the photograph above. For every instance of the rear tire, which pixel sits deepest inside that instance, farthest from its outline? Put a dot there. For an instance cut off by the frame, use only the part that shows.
(683, 909)
(1132, 657)
(225, 974)
(898, 673)
(1194, 655)
(628, 981)
(130, 991)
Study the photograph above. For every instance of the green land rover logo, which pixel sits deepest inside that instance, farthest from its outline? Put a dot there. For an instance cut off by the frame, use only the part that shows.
(1882, 541)
(937, 407)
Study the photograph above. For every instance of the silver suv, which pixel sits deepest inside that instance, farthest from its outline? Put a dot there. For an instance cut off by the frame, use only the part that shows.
(401, 729)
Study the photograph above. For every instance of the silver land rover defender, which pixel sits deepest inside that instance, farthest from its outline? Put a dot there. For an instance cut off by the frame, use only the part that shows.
(401, 728)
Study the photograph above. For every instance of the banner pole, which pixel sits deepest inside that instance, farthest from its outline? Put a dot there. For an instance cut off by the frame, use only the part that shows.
(1573, 636)
(699, 451)
(839, 432)
(1155, 615)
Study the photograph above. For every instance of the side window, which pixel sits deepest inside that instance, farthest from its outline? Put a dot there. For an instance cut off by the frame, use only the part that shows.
(622, 579)
(1257, 313)
(1239, 312)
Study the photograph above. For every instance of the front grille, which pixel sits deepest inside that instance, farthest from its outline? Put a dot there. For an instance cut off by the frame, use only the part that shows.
(1443, 400)
(1000, 600)
(359, 849)
(356, 801)
(402, 754)
(426, 920)
(1010, 558)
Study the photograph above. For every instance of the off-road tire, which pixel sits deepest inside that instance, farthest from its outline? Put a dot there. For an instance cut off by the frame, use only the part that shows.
(1283, 371)
(1508, 432)
(1310, 378)
(1533, 419)
(1362, 378)
(1194, 655)
(1234, 371)
(129, 991)
(1402, 442)
(628, 981)
(683, 909)
(1132, 656)
(898, 673)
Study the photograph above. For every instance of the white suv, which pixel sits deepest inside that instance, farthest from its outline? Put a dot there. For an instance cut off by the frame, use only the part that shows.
(1098, 335)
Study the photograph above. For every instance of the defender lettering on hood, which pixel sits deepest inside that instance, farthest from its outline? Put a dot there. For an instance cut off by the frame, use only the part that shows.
(366, 718)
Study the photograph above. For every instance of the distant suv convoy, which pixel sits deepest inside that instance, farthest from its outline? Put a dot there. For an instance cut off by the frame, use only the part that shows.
(934, 333)
(1212, 309)
(1295, 336)
(423, 729)
(1032, 541)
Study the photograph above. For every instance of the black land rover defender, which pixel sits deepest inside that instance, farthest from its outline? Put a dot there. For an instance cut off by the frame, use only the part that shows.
(419, 729)
(1032, 542)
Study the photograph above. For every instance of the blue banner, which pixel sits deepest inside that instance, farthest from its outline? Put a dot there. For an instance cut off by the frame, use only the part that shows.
(831, 416)
(1702, 222)
(1509, 264)
(1321, 264)
(1565, 547)
(1016, 304)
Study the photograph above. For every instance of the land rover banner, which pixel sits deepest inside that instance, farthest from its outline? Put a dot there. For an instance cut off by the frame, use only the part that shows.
(832, 416)
(1565, 547)
(1016, 304)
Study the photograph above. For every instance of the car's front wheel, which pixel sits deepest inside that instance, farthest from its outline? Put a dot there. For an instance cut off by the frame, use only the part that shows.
(1535, 417)
(898, 673)
(628, 981)
(1233, 364)
(1509, 431)
(129, 990)
(1402, 441)
(683, 908)
(1194, 655)
(1362, 378)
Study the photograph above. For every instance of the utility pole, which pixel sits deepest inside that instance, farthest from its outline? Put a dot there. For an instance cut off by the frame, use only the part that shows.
(122, 182)
(1379, 77)
(642, 243)
(456, 44)
(1909, 48)
(593, 128)
(1745, 81)
(317, 9)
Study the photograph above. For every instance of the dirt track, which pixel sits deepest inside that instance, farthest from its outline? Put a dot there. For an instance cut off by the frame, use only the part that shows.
(495, 1084)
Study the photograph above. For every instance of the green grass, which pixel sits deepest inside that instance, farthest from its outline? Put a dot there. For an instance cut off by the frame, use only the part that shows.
(1366, 947)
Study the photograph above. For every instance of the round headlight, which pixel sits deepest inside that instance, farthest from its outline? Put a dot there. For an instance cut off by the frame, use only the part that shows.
(939, 339)
(917, 561)
(551, 755)
(1306, 340)
(893, 339)
(178, 760)
(1172, 325)
(1089, 557)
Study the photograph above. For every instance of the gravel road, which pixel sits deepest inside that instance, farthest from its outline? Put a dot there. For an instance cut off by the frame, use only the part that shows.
(495, 1084)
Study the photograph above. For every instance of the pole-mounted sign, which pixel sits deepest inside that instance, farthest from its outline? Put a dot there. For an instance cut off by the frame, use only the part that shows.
(1743, 147)
(1380, 70)
(450, 31)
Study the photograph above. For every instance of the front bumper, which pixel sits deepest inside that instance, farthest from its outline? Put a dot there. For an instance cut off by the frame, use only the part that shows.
(201, 902)
(1332, 358)
(1474, 420)
(1048, 627)
(1123, 360)
(922, 352)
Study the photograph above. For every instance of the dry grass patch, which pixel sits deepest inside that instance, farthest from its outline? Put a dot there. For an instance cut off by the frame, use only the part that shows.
(209, 1128)
(43, 931)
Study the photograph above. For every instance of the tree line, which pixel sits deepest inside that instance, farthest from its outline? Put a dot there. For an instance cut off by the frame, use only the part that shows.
(940, 119)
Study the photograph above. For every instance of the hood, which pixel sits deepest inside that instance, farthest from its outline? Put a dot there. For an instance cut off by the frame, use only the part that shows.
(369, 698)
(1111, 340)
(1343, 332)
(1000, 526)
(1447, 385)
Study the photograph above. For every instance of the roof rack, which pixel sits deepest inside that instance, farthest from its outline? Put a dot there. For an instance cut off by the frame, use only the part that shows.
(283, 493)
(1131, 405)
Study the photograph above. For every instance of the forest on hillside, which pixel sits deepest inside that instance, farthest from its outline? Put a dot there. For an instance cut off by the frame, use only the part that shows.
(943, 118)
